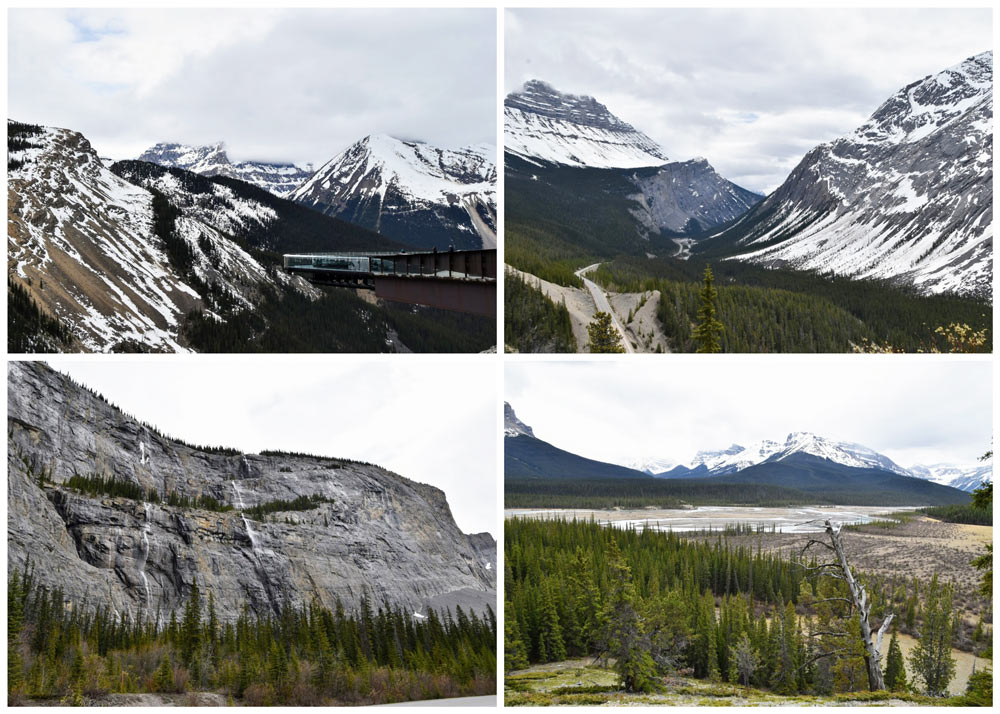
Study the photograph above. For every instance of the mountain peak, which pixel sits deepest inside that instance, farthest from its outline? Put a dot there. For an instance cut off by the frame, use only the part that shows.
(543, 123)
(212, 160)
(512, 426)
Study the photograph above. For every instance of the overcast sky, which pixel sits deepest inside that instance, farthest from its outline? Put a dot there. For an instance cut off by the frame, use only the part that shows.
(411, 419)
(752, 90)
(915, 411)
(296, 85)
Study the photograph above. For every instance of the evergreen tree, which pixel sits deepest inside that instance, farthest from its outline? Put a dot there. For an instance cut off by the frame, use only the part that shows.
(895, 671)
(190, 634)
(931, 659)
(550, 641)
(626, 637)
(708, 333)
(604, 337)
(514, 655)
(746, 659)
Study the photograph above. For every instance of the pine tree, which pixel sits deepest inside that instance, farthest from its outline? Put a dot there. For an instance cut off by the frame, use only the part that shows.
(163, 680)
(746, 659)
(708, 333)
(514, 655)
(895, 671)
(550, 642)
(190, 634)
(603, 335)
(931, 659)
(626, 637)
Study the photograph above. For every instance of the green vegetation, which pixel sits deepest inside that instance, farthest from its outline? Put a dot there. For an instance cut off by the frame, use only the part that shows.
(708, 333)
(654, 603)
(302, 503)
(604, 338)
(28, 328)
(533, 322)
(961, 514)
(98, 485)
(18, 139)
(297, 656)
(791, 311)
(645, 492)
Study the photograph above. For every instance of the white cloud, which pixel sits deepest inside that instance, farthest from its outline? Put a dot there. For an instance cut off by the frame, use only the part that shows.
(298, 85)
(750, 89)
(912, 410)
(421, 420)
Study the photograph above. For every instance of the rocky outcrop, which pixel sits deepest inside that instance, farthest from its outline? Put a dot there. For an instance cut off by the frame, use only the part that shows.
(375, 534)
(689, 197)
(907, 196)
(212, 160)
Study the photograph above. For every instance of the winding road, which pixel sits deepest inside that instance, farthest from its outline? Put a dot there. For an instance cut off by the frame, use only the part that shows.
(601, 301)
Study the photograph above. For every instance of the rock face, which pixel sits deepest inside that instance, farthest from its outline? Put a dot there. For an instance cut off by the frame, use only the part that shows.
(688, 197)
(80, 240)
(379, 535)
(543, 124)
(412, 192)
(906, 196)
(561, 136)
(512, 426)
(212, 160)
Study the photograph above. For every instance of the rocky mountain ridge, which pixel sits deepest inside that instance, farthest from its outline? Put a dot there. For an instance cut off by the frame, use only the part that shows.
(371, 533)
(212, 160)
(420, 195)
(907, 196)
(558, 134)
(543, 124)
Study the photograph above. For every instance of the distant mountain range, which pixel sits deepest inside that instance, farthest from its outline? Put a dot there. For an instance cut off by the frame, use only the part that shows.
(413, 193)
(906, 196)
(139, 257)
(526, 456)
(212, 160)
(832, 471)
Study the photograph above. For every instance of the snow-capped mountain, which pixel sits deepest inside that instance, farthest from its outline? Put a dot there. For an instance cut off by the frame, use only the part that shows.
(412, 192)
(512, 426)
(689, 196)
(736, 457)
(546, 131)
(83, 241)
(279, 179)
(908, 195)
(542, 124)
(966, 478)
(653, 467)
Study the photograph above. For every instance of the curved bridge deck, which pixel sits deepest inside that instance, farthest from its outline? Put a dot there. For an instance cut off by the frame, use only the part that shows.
(462, 280)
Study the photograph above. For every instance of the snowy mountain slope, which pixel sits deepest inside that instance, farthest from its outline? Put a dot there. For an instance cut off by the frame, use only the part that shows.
(542, 124)
(412, 192)
(906, 196)
(88, 245)
(80, 240)
(653, 467)
(212, 160)
(571, 144)
(966, 478)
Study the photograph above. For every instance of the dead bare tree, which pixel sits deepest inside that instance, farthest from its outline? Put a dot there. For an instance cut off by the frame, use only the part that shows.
(841, 569)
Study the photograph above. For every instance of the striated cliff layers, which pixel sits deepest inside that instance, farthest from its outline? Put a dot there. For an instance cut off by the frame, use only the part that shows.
(370, 532)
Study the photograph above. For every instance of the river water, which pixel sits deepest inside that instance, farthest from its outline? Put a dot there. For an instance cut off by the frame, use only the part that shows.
(797, 519)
